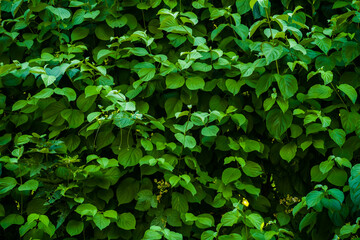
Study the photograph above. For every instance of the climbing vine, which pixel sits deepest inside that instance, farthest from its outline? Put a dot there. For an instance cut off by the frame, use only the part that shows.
(164, 119)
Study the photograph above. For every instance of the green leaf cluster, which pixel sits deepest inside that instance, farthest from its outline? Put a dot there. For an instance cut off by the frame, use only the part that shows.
(164, 119)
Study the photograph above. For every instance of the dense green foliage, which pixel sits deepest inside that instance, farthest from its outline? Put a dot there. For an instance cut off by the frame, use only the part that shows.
(151, 119)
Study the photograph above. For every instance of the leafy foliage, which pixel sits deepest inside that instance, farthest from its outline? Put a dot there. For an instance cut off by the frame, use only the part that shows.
(151, 119)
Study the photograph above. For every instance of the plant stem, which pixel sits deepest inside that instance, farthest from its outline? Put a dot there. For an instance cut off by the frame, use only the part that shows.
(342, 100)
(272, 37)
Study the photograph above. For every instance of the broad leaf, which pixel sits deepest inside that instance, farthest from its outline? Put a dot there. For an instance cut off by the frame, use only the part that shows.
(278, 122)
(230, 175)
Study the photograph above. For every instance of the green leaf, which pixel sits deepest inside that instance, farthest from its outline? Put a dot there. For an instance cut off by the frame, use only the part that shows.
(255, 26)
(52, 112)
(239, 119)
(172, 106)
(296, 130)
(30, 185)
(252, 169)
(313, 198)
(327, 77)
(145, 70)
(195, 83)
(104, 138)
(47, 79)
(338, 136)
(104, 32)
(129, 157)
(264, 83)
(326, 166)
(349, 91)
(44, 93)
(5, 139)
(61, 13)
(324, 44)
(349, 120)
(316, 174)
(176, 40)
(84, 103)
(170, 3)
(283, 104)
(79, 33)
(242, 30)
(234, 86)
(201, 67)
(127, 190)
(6, 184)
(19, 105)
(325, 62)
(242, 6)
(67, 92)
(348, 229)
(145, 200)
(86, 209)
(278, 122)
(137, 51)
(350, 51)
(126, 221)
(179, 202)
(100, 221)
(204, 220)
(230, 218)
(11, 219)
(210, 131)
(331, 204)
(123, 120)
(231, 236)
(116, 22)
(337, 176)
(288, 151)
(92, 90)
(283, 218)
(309, 219)
(217, 31)
(319, 91)
(187, 141)
(230, 175)
(288, 85)
(72, 142)
(151, 234)
(74, 227)
(111, 214)
(174, 81)
(271, 53)
(74, 117)
(256, 220)
(251, 145)
(208, 235)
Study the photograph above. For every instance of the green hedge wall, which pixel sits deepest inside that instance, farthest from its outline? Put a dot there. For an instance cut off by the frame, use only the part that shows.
(207, 119)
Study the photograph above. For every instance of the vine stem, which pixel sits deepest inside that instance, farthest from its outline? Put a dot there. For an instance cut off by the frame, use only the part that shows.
(182, 146)
(121, 138)
(97, 131)
(272, 37)
(143, 17)
(246, 230)
(342, 100)
(21, 196)
(231, 22)
(128, 138)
